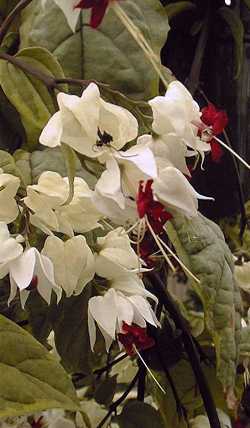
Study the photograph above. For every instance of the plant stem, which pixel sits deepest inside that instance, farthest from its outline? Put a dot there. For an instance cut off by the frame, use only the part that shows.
(120, 400)
(165, 297)
(48, 80)
(141, 381)
(10, 18)
(110, 365)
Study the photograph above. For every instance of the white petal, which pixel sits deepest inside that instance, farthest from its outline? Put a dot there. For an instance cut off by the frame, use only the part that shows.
(52, 133)
(119, 123)
(109, 184)
(142, 306)
(71, 14)
(22, 268)
(125, 310)
(92, 330)
(104, 311)
(174, 191)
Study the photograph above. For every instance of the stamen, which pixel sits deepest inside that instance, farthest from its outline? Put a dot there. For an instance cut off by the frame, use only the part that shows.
(156, 238)
(233, 152)
(148, 369)
(179, 261)
(140, 39)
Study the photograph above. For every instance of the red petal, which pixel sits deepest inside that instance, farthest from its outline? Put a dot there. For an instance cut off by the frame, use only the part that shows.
(215, 118)
(85, 4)
(216, 151)
(98, 13)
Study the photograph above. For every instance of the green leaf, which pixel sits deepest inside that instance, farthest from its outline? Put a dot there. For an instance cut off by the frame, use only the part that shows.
(137, 414)
(70, 324)
(31, 380)
(173, 9)
(107, 54)
(29, 95)
(200, 244)
(237, 29)
(34, 164)
(105, 391)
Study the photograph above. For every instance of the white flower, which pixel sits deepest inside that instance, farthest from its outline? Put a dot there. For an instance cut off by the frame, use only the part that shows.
(88, 124)
(168, 149)
(68, 8)
(9, 185)
(73, 262)
(177, 113)
(32, 270)
(136, 164)
(115, 257)
(10, 249)
(47, 198)
(112, 310)
(174, 191)
(109, 199)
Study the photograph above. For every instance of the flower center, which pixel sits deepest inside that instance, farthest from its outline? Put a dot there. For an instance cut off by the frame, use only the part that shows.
(134, 338)
(104, 138)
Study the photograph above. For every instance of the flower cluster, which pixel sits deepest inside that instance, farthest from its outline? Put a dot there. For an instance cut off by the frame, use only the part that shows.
(141, 187)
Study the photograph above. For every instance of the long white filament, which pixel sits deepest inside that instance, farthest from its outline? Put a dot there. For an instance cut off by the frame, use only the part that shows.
(184, 267)
(149, 371)
(160, 246)
(140, 39)
(232, 151)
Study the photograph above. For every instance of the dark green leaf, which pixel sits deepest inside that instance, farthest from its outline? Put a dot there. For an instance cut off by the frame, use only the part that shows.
(173, 9)
(237, 29)
(70, 324)
(136, 414)
(29, 95)
(105, 391)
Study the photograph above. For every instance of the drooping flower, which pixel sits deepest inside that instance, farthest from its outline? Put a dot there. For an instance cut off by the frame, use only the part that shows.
(10, 249)
(73, 262)
(112, 310)
(115, 256)
(216, 121)
(154, 210)
(88, 124)
(135, 338)
(98, 10)
(32, 270)
(175, 192)
(177, 113)
(9, 185)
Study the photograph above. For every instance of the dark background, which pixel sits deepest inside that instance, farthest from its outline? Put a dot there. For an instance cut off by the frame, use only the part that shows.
(216, 79)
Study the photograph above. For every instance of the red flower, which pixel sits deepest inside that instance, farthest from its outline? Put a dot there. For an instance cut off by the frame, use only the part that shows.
(98, 9)
(146, 205)
(134, 336)
(216, 120)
